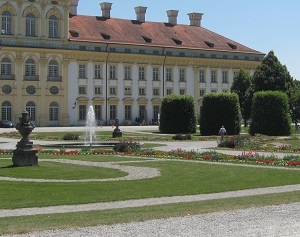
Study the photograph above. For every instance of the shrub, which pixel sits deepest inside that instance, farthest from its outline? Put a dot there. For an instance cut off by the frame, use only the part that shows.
(71, 136)
(178, 114)
(182, 137)
(270, 114)
(126, 146)
(220, 109)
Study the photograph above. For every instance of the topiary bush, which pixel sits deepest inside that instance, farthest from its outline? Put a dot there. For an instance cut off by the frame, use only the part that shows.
(181, 137)
(71, 137)
(178, 114)
(270, 114)
(220, 109)
(126, 146)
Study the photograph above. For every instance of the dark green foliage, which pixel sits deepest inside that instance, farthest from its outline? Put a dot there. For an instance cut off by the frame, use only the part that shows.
(270, 114)
(294, 100)
(242, 86)
(220, 109)
(71, 136)
(272, 75)
(178, 114)
(232, 142)
(182, 137)
(126, 146)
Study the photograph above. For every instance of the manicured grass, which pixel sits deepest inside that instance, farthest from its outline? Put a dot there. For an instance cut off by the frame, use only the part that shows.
(93, 218)
(177, 178)
(53, 170)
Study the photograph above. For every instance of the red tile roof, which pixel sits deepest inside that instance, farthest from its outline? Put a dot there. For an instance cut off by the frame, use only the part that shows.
(120, 31)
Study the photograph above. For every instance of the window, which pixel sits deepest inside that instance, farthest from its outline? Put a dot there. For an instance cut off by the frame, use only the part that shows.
(112, 112)
(30, 108)
(6, 111)
(53, 70)
(82, 90)
(53, 27)
(213, 77)
(31, 90)
(202, 92)
(182, 91)
(127, 111)
(82, 71)
(142, 91)
(201, 76)
(112, 72)
(6, 23)
(155, 91)
(169, 91)
(97, 90)
(169, 74)
(127, 73)
(6, 89)
(181, 75)
(30, 67)
(30, 25)
(155, 74)
(82, 112)
(54, 90)
(141, 73)
(112, 91)
(155, 112)
(213, 91)
(127, 91)
(142, 111)
(97, 71)
(53, 112)
(98, 112)
(5, 67)
(224, 77)
(225, 91)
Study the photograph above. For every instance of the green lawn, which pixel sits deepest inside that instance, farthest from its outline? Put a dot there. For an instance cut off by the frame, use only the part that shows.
(177, 178)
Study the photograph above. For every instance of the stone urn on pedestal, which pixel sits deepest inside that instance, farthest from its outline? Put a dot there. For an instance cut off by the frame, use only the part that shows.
(117, 132)
(25, 155)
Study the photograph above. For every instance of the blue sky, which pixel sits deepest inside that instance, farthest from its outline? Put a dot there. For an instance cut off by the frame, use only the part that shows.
(262, 25)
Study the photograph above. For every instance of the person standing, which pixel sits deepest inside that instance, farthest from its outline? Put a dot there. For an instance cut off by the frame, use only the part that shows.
(222, 133)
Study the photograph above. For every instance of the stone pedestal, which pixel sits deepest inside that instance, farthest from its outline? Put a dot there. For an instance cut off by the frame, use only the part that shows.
(25, 155)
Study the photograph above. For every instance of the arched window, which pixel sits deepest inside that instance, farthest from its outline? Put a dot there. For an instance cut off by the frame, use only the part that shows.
(6, 27)
(6, 111)
(30, 108)
(5, 67)
(30, 25)
(53, 70)
(53, 27)
(53, 112)
(30, 68)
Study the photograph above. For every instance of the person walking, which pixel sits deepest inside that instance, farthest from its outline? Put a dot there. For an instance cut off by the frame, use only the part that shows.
(222, 133)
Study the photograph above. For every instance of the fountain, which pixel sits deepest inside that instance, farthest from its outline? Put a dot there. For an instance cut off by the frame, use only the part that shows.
(25, 155)
(91, 126)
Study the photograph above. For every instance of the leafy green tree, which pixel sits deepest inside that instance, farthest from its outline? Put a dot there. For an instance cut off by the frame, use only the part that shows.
(271, 75)
(242, 86)
(178, 114)
(220, 109)
(295, 101)
(270, 114)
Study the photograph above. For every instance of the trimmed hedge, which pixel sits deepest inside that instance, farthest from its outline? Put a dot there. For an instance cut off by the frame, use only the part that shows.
(178, 114)
(270, 114)
(220, 109)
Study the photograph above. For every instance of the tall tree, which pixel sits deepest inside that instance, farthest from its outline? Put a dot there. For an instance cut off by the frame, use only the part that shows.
(242, 86)
(272, 75)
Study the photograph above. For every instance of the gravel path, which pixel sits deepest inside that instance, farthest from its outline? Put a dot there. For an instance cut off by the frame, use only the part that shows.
(271, 221)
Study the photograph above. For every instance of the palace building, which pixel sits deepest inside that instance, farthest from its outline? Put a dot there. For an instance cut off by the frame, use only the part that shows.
(56, 63)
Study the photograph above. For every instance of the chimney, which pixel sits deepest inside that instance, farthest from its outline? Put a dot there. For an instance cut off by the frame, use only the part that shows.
(106, 7)
(140, 13)
(73, 7)
(195, 18)
(172, 15)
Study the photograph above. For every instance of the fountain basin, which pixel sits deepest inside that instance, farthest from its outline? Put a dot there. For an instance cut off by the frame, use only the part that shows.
(82, 145)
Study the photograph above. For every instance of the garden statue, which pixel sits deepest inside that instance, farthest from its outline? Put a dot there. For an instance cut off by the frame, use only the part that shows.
(117, 132)
(25, 155)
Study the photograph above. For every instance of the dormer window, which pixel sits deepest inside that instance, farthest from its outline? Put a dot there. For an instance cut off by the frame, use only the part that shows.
(233, 46)
(209, 44)
(147, 39)
(177, 41)
(74, 33)
(105, 36)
